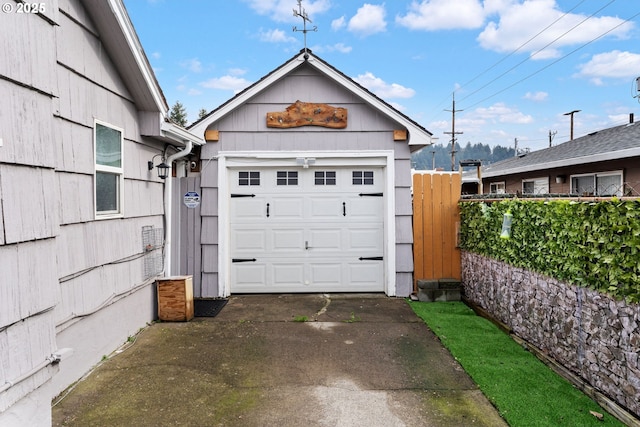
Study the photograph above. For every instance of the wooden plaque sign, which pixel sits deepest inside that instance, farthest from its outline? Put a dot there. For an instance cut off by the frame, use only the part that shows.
(308, 114)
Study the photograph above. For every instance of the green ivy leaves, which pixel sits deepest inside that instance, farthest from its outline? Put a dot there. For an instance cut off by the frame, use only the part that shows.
(590, 244)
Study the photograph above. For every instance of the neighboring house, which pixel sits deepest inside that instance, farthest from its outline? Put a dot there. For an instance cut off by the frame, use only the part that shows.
(81, 215)
(306, 187)
(602, 163)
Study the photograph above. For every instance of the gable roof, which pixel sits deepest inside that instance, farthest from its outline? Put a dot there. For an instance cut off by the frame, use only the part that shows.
(614, 143)
(418, 135)
(125, 50)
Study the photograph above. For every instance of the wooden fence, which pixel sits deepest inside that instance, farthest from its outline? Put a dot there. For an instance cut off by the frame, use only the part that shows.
(436, 218)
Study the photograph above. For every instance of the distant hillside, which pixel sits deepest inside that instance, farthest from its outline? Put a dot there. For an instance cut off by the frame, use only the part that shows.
(423, 159)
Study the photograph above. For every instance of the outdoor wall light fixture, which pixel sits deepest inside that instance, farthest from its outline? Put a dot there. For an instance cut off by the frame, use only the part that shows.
(163, 168)
(560, 179)
(305, 161)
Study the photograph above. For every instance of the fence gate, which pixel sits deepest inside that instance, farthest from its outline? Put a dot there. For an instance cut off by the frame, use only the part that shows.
(436, 218)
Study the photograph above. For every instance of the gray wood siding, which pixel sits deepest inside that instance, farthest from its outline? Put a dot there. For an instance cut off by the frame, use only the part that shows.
(27, 138)
(29, 203)
(63, 272)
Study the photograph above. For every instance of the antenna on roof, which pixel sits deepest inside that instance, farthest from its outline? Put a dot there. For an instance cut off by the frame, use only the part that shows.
(637, 95)
(303, 14)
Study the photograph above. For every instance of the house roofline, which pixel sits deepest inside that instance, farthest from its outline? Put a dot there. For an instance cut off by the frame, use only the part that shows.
(418, 136)
(614, 155)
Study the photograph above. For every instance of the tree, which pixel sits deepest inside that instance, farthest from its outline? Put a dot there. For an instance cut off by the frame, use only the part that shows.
(202, 113)
(178, 114)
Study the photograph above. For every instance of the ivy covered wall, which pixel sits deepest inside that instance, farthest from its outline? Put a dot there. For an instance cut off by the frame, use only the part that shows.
(589, 244)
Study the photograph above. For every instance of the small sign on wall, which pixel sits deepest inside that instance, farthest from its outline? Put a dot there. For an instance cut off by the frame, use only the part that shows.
(191, 199)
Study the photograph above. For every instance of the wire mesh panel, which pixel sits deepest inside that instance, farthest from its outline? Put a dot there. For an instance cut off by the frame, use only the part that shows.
(152, 240)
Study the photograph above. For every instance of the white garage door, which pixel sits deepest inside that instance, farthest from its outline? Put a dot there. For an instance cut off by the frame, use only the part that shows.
(306, 230)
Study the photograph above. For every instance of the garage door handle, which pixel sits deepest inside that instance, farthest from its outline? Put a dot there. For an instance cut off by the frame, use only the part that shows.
(344, 209)
(370, 258)
(243, 260)
(306, 245)
(267, 210)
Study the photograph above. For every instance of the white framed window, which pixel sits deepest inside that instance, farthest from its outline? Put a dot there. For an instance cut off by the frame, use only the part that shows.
(497, 187)
(597, 184)
(535, 186)
(249, 178)
(109, 173)
(362, 177)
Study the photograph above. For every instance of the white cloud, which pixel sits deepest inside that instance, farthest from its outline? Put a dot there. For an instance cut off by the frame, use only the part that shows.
(443, 15)
(615, 64)
(194, 92)
(520, 25)
(237, 71)
(193, 65)
(156, 55)
(227, 82)
(276, 36)
(536, 96)
(338, 47)
(501, 113)
(368, 20)
(382, 89)
(338, 24)
(282, 10)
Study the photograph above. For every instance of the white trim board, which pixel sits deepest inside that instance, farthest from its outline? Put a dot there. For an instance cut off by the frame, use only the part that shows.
(383, 158)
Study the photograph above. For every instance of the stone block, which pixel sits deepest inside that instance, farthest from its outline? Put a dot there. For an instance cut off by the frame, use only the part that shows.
(427, 284)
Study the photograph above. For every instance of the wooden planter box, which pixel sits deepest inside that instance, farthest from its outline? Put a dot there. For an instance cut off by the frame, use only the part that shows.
(175, 298)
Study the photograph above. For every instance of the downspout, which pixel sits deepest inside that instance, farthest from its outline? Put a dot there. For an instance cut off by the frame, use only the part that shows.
(168, 206)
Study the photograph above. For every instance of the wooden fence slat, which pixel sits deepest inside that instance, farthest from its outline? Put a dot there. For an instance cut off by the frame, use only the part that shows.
(436, 218)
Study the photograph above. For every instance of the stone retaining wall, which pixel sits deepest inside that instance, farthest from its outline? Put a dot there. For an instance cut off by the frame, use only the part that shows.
(594, 336)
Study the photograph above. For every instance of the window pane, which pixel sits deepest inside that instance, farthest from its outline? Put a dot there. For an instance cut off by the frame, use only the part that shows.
(583, 185)
(107, 189)
(108, 146)
(609, 185)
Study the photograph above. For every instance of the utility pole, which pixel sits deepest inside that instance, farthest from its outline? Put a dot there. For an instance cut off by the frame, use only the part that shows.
(515, 143)
(551, 135)
(453, 132)
(433, 160)
(571, 113)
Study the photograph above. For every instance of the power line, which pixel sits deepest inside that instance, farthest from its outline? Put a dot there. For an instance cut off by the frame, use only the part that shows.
(539, 50)
(554, 62)
(518, 49)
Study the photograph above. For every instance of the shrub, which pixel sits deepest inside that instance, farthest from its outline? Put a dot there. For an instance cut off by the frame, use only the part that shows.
(589, 244)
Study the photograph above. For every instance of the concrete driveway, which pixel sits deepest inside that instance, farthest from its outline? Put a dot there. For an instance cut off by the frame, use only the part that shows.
(357, 360)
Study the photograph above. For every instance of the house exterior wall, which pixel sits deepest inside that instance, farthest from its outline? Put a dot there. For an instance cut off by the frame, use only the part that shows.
(68, 280)
(629, 166)
(245, 130)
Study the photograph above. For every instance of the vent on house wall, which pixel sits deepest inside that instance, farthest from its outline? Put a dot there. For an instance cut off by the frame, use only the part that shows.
(152, 238)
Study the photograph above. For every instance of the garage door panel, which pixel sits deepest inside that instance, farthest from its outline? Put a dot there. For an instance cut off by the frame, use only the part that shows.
(326, 273)
(286, 208)
(365, 239)
(249, 241)
(248, 209)
(325, 239)
(365, 273)
(324, 207)
(297, 234)
(249, 275)
(287, 239)
(365, 208)
(287, 273)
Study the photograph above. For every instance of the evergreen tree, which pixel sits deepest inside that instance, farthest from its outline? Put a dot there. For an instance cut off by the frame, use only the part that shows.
(202, 113)
(178, 114)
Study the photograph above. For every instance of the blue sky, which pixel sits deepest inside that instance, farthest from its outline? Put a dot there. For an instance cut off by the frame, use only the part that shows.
(515, 66)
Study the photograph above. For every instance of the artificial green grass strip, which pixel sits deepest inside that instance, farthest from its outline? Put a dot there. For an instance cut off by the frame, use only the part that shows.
(526, 392)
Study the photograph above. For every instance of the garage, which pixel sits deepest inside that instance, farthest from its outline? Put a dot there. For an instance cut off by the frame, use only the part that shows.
(306, 229)
(306, 187)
